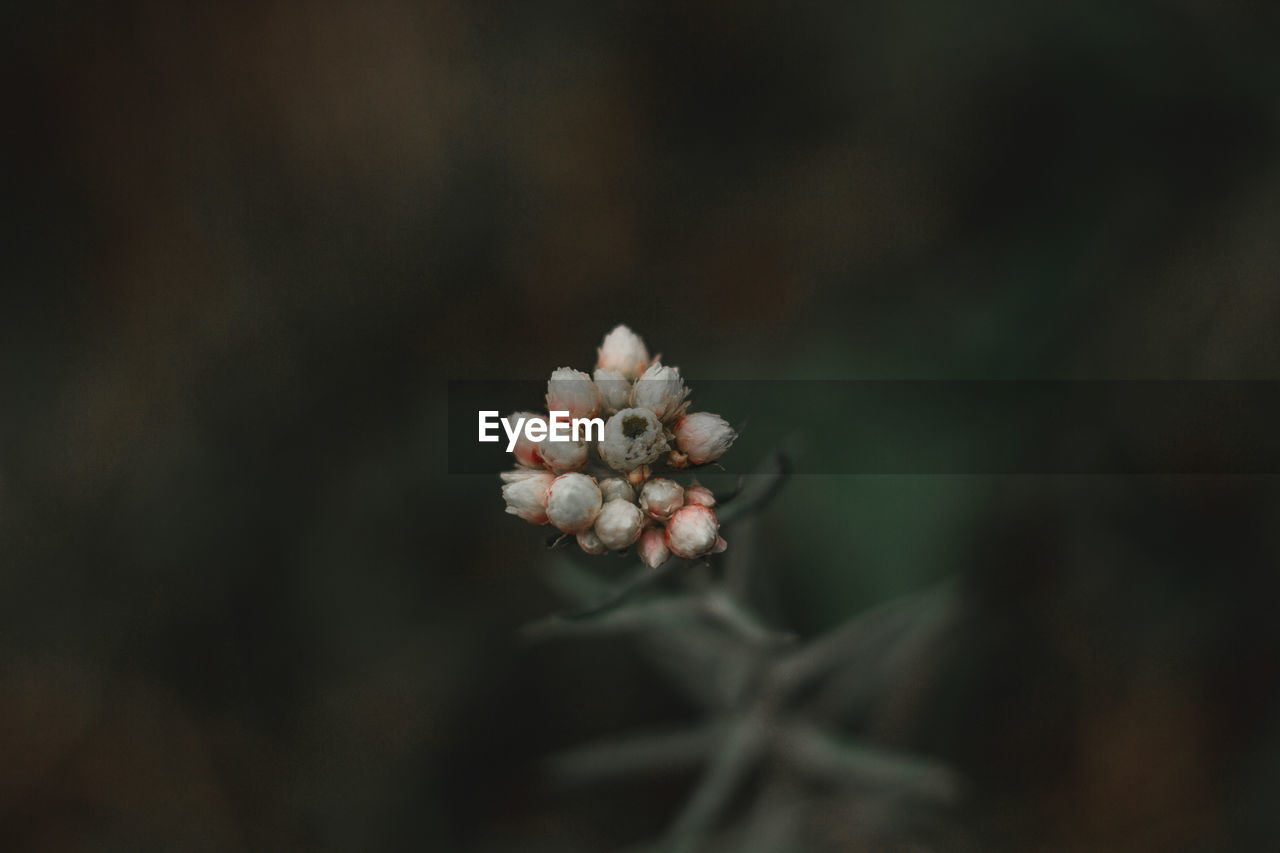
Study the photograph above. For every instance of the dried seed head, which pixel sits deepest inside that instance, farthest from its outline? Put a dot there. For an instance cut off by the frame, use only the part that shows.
(572, 391)
(703, 437)
(632, 437)
(653, 547)
(573, 502)
(661, 497)
(526, 493)
(619, 524)
(692, 532)
(624, 352)
(661, 391)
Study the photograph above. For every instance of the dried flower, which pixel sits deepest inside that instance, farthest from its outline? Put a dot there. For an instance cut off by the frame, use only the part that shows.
(572, 391)
(653, 547)
(589, 542)
(624, 352)
(615, 390)
(573, 502)
(527, 451)
(615, 488)
(699, 495)
(692, 532)
(660, 497)
(619, 524)
(632, 437)
(703, 437)
(526, 493)
(564, 455)
(661, 391)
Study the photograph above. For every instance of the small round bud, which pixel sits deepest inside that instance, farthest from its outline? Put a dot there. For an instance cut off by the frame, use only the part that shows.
(661, 391)
(572, 391)
(692, 532)
(699, 495)
(573, 502)
(564, 455)
(589, 542)
(653, 547)
(526, 493)
(661, 497)
(703, 437)
(615, 389)
(623, 351)
(619, 524)
(527, 451)
(721, 546)
(616, 488)
(632, 437)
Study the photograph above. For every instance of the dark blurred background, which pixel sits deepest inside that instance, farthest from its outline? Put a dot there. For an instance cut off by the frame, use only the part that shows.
(244, 605)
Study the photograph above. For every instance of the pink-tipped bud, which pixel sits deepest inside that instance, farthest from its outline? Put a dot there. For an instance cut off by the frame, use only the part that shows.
(661, 497)
(589, 542)
(632, 437)
(616, 488)
(618, 524)
(700, 495)
(703, 437)
(615, 390)
(526, 493)
(692, 532)
(572, 391)
(661, 391)
(721, 546)
(573, 502)
(563, 455)
(527, 451)
(653, 547)
(624, 352)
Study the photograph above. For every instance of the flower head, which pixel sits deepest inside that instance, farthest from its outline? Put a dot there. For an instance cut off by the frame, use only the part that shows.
(526, 494)
(632, 437)
(573, 501)
(624, 352)
(660, 497)
(692, 532)
(572, 391)
(703, 437)
(619, 524)
(661, 391)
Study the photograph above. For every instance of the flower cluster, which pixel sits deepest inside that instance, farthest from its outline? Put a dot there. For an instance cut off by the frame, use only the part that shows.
(648, 424)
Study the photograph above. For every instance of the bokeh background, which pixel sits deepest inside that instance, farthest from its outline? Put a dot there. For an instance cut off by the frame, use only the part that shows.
(244, 605)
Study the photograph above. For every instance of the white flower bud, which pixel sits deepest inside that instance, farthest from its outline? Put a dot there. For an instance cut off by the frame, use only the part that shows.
(526, 493)
(692, 532)
(615, 389)
(623, 351)
(572, 391)
(616, 488)
(700, 495)
(563, 455)
(573, 502)
(632, 437)
(661, 391)
(660, 497)
(619, 524)
(703, 437)
(653, 547)
(527, 452)
(589, 542)
(721, 546)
